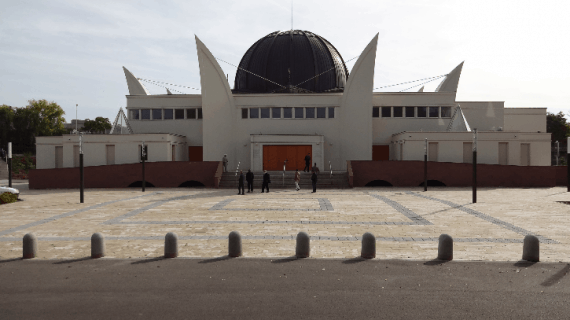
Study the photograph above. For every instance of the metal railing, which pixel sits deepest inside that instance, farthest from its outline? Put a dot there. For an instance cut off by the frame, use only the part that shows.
(330, 167)
(284, 166)
(237, 171)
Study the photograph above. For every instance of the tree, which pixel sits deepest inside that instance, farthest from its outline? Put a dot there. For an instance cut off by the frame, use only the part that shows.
(98, 125)
(49, 116)
(558, 126)
(6, 124)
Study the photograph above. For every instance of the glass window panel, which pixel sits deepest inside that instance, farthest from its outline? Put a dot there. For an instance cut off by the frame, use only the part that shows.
(331, 112)
(409, 112)
(276, 113)
(135, 114)
(190, 113)
(168, 114)
(264, 113)
(254, 113)
(145, 114)
(244, 113)
(321, 112)
(299, 113)
(310, 113)
(199, 113)
(446, 112)
(433, 112)
(179, 114)
(398, 112)
(422, 112)
(386, 112)
(376, 112)
(287, 113)
(156, 114)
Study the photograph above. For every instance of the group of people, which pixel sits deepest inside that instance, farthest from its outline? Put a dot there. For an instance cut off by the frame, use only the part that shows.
(249, 179)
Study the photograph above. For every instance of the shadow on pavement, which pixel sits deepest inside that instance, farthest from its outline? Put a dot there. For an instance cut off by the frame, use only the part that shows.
(11, 260)
(354, 260)
(556, 277)
(74, 260)
(222, 258)
(149, 260)
(288, 259)
(435, 262)
(524, 264)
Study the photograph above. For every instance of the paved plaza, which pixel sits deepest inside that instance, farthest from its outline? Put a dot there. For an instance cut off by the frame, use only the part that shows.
(406, 222)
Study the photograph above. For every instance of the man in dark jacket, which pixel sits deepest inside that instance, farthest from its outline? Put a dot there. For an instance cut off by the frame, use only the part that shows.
(266, 182)
(240, 183)
(307, 163)
(314, 181)
(249, 179)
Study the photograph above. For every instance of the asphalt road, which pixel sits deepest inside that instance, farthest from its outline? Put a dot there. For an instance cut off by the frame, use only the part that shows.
(240, 288)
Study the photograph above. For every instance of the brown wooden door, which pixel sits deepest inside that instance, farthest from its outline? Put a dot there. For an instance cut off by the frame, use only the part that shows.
(380, 153)
(275, 156)
(195, 153)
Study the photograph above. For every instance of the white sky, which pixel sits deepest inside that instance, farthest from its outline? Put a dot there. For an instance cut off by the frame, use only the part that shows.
(71, 52)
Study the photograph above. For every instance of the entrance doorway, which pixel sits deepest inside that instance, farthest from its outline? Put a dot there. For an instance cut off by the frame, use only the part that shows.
(274, 157)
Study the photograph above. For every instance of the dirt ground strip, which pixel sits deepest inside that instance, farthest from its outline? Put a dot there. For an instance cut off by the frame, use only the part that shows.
(406, 222)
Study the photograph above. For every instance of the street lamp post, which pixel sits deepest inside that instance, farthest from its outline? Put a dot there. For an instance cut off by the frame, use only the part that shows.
(425, 164)
(10, 164)
(143, 156)
(568, 163)
(475, 166)
(81, 173)
(557, 151)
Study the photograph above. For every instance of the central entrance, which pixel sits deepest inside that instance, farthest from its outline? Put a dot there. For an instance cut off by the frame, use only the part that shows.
(274, 157)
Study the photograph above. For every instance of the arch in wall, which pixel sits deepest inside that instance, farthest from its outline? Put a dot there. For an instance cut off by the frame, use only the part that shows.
(191, 184)
(379, 183)
(433, 183)
(138, 184)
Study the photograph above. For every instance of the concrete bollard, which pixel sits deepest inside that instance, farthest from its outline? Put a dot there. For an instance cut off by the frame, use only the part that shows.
(368, 246)
(303, 248)
(30, 246)
(97, 246)
(531, 249)
(171, 245)
(445, 247)
(234, 245)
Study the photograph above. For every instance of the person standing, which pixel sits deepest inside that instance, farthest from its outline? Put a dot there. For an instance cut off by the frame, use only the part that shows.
(314, 181)
(240, 183)
(225, 161)
(266, 182)
(316, 169)
(249, 178)
(307, 163)
(297, 179)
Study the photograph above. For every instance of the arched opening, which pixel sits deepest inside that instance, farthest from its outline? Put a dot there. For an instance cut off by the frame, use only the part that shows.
(191, 184)
(379, 183)
(433, 183)
(138, 184)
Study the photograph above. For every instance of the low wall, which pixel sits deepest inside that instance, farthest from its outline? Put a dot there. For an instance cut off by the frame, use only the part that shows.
(170, 174)
(411, 174)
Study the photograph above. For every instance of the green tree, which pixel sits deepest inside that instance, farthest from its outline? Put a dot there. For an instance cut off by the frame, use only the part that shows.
(99, 125)
(49, 116)
(558, 126)
(6, 125)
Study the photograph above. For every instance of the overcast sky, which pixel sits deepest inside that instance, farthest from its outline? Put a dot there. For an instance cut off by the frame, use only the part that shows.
(71, 52)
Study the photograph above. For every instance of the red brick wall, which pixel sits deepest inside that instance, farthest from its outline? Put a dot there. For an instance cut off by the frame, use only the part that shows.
(561, 175)
(411, 174)
(160, 174)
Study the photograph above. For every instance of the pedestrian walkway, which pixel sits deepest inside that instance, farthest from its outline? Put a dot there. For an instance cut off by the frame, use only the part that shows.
(406, 222)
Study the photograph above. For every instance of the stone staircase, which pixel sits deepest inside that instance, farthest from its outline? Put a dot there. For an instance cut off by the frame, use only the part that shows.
(339, 180)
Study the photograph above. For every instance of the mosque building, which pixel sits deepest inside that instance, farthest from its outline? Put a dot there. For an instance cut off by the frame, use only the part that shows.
(293, 95)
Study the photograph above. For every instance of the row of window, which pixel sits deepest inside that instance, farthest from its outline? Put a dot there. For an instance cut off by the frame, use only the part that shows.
(411, 112)
(166, 114)
(288, 113)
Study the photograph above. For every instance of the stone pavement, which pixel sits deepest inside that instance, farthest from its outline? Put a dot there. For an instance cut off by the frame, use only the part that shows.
(406, 221)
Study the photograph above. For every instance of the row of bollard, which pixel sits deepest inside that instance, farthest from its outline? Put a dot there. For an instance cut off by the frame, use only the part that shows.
(302, 248)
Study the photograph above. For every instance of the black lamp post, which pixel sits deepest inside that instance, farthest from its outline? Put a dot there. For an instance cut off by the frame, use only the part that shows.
(10, 164)
(475, 166)
(81, 173)
(425, 164)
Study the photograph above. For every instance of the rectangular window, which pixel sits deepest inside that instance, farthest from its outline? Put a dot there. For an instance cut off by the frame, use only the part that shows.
(376, 112)
(135, 114)
(434, 112)
(299, 113)
(145, 114)
(446, 112)
(199, 113)
(168, 114)
(321, 112)
(386, 112)
(190, 113)
(287, 113)
(276, 113)
(331, 112)
(398, 112)
(156, 114)
(310, 113)
(253, 113)
(179, 114)
(264, 113)
(422, 112)
(410, 112)
(244, 113)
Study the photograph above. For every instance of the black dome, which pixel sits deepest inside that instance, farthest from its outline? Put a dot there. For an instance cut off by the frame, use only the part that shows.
(290, 58)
